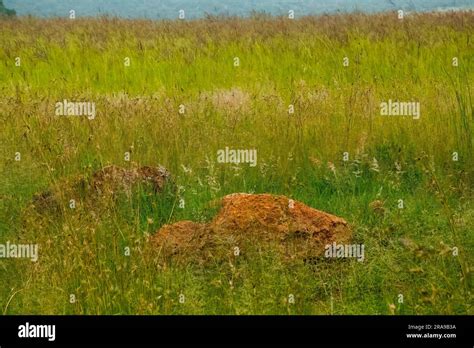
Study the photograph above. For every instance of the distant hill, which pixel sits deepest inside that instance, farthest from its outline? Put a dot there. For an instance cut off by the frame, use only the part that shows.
(169, 9)
(6, 11)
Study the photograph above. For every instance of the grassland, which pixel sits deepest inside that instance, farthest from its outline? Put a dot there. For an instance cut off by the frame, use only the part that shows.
(282, 62)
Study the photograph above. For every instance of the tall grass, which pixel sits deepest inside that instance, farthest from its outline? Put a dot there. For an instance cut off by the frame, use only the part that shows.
(282, 62)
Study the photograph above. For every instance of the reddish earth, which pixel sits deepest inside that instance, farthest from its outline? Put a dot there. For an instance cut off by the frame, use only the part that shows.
(180, 237)
(296, 229)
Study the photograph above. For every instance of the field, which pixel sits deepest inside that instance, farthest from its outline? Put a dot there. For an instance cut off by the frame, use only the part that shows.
(175, 92)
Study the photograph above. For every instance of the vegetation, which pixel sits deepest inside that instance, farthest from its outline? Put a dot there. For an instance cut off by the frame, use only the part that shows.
(5, 11)
(409, 251)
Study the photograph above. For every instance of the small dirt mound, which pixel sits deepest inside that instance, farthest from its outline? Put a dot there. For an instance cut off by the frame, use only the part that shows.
(296, 229)
(112, 178)
(106, 182)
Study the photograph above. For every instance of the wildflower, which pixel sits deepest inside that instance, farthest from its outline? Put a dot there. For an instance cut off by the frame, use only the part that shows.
(186, 170)
(332, 167)
(374, 166)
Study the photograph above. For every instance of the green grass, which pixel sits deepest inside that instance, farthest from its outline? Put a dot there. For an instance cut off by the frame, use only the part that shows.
(282, 62)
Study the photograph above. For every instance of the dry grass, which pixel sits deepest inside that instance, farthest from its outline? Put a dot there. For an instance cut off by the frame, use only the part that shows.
(300, 155)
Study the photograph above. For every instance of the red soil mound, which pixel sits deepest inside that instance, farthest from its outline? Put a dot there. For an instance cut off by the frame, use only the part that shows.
(296, 229)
